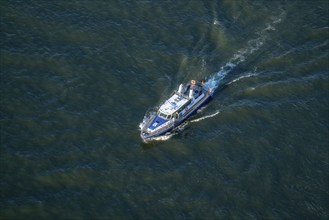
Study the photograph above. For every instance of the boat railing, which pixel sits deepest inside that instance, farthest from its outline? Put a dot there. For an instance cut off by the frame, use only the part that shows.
(148, 118)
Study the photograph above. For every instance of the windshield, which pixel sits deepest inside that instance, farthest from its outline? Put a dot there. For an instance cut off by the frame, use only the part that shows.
(164, 116)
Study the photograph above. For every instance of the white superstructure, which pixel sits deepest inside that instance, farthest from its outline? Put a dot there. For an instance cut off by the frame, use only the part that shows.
(173, 104)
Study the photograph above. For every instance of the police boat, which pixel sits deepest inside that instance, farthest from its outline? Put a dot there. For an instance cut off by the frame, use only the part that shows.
(174, 111)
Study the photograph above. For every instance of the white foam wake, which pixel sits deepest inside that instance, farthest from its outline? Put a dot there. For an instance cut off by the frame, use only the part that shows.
(242, 77)
(163, 137)
(205, 117)
(241, 55)
(214, 81)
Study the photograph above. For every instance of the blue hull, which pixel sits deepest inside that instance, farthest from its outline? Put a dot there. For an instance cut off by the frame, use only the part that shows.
(176, 124)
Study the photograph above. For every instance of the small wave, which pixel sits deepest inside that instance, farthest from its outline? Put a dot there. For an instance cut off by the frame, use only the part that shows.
(205, 117)
(242, 77)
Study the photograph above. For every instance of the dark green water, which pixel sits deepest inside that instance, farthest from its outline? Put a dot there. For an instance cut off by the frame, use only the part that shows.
(78, 76)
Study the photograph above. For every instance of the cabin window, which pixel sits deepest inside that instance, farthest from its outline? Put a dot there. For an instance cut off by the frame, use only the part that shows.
(162, 115)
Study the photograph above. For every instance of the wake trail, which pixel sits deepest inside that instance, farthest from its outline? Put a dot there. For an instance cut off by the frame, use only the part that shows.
(241, 55)
(163, 137)
(205, 117)
(242, 77)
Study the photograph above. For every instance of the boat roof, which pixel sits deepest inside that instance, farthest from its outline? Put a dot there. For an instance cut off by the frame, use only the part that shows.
(173, 104)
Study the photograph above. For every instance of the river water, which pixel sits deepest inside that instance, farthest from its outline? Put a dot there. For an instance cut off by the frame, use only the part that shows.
(77, 78)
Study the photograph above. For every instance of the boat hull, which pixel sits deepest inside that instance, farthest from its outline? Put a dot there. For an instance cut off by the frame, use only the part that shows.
(149, 136)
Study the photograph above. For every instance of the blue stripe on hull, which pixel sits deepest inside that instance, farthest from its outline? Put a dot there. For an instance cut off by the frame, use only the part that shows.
(156, 134)
(157, 121)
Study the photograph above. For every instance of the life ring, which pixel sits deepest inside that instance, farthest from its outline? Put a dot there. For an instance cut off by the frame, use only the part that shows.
(193, 82)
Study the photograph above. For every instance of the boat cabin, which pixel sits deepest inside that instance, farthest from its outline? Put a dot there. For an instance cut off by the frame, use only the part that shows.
(173, 106)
